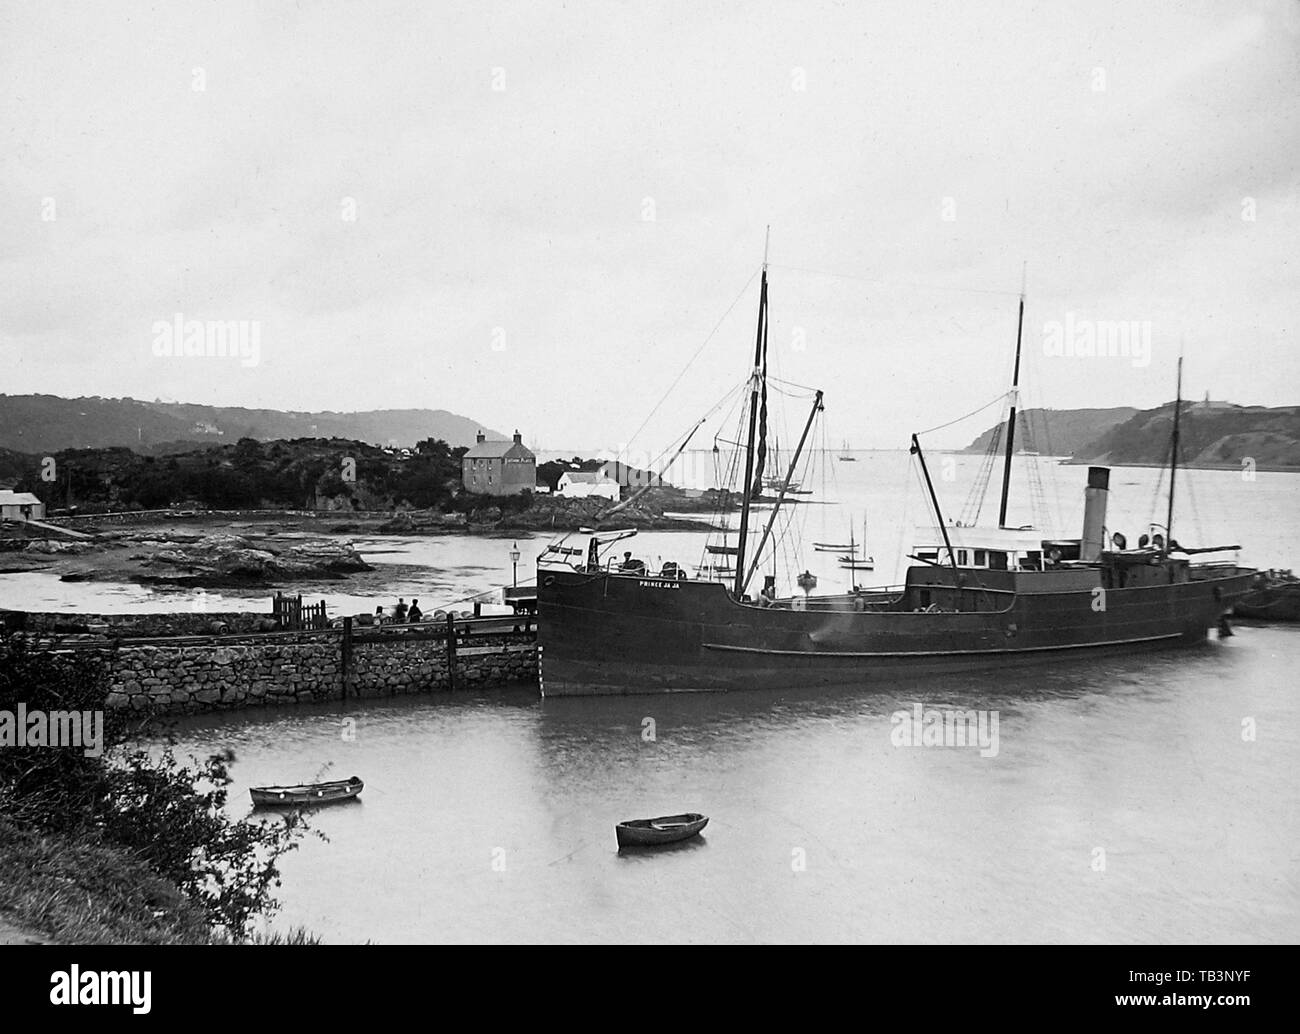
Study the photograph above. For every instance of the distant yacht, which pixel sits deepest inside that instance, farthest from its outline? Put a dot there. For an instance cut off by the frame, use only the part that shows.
(845, 456)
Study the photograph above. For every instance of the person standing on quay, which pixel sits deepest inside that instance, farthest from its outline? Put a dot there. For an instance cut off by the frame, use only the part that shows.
(415, 613)
(399, 612)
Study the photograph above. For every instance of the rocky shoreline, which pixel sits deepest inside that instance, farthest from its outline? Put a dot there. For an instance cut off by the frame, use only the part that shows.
(549, 513)
(184, 558)
(265, 549)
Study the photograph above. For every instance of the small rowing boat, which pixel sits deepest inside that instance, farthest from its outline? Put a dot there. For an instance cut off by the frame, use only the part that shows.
(1273, 596)
(308, 793)
(667, 829)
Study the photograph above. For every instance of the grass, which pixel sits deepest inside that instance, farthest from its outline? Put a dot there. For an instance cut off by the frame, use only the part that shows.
(78, 892)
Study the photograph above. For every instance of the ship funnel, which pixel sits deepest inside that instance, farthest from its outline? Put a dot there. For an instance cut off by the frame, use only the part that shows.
(1094, 514)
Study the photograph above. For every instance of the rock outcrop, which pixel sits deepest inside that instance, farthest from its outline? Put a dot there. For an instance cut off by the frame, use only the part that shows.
(233, 556)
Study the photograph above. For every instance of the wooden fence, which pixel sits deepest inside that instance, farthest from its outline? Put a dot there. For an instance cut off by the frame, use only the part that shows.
(291, 615)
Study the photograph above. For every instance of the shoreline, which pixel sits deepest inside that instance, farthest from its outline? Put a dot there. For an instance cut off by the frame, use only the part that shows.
(1070, 461)
(278, 550)
(1236, 468)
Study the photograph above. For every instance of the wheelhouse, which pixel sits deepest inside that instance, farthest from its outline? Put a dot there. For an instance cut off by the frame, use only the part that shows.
(993, 549)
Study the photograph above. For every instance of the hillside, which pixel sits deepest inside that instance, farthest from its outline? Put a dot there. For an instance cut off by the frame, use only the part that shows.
(1209, 436)
(1057, 432)
(43, 424)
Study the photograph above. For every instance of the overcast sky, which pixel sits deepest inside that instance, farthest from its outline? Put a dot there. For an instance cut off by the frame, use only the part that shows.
(534, 214)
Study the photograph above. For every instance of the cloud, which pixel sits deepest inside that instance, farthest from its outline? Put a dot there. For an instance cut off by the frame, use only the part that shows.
(605, 206)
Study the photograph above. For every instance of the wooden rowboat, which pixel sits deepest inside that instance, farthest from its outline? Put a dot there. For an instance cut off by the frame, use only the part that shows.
(1274, 596)
(307, 793)
(667, 829)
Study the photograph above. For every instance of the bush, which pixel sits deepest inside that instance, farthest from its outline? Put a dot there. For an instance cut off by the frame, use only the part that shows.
(168, 816)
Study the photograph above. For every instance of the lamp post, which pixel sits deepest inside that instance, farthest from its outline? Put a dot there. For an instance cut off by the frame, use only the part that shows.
(514, 562)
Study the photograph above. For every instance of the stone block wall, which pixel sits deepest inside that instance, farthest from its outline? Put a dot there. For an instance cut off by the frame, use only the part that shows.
(309, 668)
(142, 626)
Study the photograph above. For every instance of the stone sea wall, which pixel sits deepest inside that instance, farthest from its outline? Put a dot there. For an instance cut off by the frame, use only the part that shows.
(196, 678)
(302, 667)
(272, 673)
(179, 623)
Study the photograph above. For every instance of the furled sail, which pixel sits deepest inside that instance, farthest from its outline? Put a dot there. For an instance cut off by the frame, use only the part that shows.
(760, 455)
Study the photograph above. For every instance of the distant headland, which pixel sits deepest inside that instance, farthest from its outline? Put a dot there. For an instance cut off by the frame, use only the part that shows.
(1212, 434)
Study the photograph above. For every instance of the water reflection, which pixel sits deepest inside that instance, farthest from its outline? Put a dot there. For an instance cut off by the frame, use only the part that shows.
(640, 853)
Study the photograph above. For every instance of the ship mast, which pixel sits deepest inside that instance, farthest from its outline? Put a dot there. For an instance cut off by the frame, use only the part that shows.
(785, 486)
(1173, 459)
(1011, 421)
(938, 513)
(756, 384)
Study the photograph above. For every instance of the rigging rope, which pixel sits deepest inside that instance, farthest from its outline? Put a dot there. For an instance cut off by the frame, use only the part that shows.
(904, 283)
(991, 402)
(689, 364)
(974, 505)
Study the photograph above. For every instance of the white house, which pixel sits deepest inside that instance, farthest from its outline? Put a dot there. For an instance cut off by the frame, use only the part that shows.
(20, 506)
(578, 484)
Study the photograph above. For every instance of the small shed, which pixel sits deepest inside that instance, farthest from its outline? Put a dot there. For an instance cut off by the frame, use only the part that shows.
(20, 506)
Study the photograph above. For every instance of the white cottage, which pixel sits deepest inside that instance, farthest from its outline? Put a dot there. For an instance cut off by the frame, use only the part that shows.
(20, 506)
(579, 484)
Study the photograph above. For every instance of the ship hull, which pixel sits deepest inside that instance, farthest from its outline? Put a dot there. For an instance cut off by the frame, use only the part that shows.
(604, 634)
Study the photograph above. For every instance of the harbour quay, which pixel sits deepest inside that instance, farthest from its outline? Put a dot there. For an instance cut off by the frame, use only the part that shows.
(194, 673)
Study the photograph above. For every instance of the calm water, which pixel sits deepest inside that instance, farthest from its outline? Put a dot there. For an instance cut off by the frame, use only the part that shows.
(492, 818)
(1142, 758)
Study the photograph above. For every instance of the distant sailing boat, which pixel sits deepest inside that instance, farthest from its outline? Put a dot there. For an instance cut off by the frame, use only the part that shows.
(852, 561)
(845, 457)
(837, 547)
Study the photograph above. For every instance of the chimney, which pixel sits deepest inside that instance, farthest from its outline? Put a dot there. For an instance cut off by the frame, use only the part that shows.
(479, 438)
(519, 438)
(1094, 514)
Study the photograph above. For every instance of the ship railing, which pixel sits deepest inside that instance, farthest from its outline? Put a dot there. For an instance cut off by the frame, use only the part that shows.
(1215, 569)
(875, 596)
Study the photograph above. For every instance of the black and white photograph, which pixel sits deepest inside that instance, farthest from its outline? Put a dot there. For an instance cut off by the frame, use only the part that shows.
(682, 473)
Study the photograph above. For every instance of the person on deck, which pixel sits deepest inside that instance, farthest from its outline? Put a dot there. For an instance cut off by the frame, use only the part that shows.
(399, 612)
(415, 613)
(630, 565)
